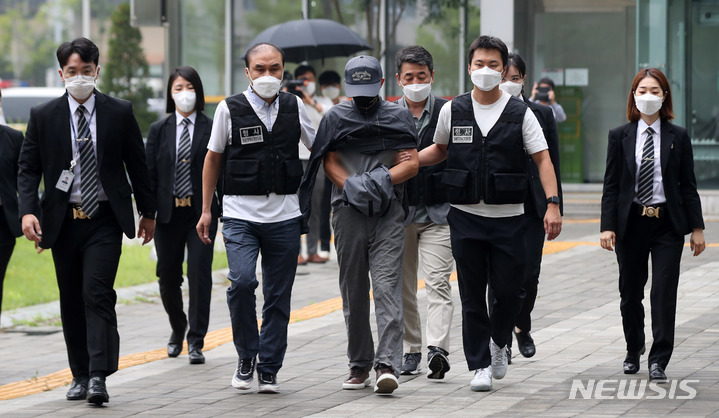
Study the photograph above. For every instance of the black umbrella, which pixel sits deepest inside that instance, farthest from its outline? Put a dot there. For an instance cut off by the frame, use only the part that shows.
(309, 39)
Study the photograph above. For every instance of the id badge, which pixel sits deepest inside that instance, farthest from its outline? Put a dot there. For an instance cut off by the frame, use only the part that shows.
(65, 180)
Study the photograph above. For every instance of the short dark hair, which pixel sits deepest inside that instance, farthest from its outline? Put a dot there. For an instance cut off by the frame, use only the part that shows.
(254, 49)
(304, 69)
(189, 74)
(666, 113)
(87, 50)
(546, 80)
(489, 42)
(329, 77)
(517, 61)
(414, 54)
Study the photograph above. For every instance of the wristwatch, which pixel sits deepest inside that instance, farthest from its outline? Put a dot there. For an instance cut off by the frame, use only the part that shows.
(553, 199)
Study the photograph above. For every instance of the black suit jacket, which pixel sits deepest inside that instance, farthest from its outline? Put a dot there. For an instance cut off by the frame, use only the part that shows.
(10, 143)
(680, 187)
(47, 151)
(537, 201)
(161, 155)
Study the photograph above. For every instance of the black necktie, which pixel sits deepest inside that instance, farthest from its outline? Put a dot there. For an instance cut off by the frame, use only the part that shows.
(183, 186)
(645, 190)
(88, 165)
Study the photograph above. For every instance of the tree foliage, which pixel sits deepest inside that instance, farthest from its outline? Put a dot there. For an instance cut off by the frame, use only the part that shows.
(126, 70)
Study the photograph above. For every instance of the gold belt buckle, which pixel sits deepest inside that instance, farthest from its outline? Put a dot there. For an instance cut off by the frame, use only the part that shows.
(78, 213)
(184, 202)
(650, 211)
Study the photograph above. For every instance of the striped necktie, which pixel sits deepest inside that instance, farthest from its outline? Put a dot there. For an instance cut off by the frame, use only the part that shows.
(645, 190)
(88, 166)
(183, 186)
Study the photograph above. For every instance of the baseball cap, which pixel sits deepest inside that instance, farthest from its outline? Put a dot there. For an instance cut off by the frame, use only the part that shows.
(363, 77)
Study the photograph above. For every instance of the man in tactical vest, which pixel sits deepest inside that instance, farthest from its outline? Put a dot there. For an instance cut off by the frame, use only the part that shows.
(254, 141)
(358, 142)
(426, 231)
(483, 135)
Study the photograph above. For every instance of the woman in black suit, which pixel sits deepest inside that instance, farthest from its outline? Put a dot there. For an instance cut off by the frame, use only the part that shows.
(650, 202)
(535, 206)
(176, 148)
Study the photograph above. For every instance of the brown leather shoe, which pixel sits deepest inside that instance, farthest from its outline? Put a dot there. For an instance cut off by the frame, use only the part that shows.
(301, 260)
(358, 379)
(316, 258)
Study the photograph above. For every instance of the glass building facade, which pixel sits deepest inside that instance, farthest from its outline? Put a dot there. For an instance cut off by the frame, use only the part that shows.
(592, 49)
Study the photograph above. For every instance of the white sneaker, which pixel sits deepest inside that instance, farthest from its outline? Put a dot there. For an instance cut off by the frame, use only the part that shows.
(499, 360)
(482, 380)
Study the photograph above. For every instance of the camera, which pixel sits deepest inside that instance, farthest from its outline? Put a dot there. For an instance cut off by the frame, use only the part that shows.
(542, 94)
(295, 86)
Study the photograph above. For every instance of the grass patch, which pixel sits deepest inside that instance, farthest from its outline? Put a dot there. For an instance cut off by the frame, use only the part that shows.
(30, 277)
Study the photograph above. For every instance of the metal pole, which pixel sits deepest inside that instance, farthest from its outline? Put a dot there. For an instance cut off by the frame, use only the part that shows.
(305, 9)
(229, 31)
(86, 18)
(383, 42)
(462, 40)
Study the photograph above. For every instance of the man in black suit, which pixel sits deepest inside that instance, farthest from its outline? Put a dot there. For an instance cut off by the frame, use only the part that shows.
(10, 142)
(174, 142)
(84, 145)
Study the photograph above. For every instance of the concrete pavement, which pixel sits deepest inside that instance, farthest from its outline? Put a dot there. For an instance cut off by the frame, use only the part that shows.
(576, 325)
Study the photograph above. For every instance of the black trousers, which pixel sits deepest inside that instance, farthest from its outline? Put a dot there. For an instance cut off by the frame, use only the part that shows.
(487, 251)
(644, 237)
(7, 244)
(533, 245)
(170, 241)
(86, 256)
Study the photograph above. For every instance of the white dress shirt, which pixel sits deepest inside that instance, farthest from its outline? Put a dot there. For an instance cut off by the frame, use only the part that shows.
(658, 196)
(75, 195)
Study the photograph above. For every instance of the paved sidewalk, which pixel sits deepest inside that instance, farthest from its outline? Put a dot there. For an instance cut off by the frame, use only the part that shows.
(577, 328)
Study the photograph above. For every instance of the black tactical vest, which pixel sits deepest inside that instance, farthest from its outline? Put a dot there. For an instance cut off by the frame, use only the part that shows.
(490, 168)
(426, 187)
(258, 162)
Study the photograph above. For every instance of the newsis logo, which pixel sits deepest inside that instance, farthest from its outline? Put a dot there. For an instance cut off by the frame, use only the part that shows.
(632, 389)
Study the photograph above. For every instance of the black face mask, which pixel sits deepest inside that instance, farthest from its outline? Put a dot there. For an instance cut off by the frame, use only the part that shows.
(365, 102)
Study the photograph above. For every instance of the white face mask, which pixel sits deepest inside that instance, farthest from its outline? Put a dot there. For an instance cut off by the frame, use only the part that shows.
(417, 92)
(331, 92)
(515, 89)
(648, 104)
(310, 88)
(486, 78)
(80, 86)
(266, 86)
(185, 100)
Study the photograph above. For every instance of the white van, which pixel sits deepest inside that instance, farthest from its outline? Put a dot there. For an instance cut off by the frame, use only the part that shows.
(17, 102)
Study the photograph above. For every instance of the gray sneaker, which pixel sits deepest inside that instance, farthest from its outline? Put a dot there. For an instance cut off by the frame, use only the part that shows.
(243, 377)
(499, 360)
(411, 363)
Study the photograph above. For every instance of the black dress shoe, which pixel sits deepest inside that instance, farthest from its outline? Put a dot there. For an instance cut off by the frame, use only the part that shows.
(97, 392)
(78, 389)
(196, 356)
(525, 344)
(173, 349)
(656, 372)
(631, 361)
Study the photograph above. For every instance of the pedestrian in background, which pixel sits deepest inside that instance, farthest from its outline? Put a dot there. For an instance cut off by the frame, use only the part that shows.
(649, 203)
(535, 207)
(10, 228)
(426, 234)
(176, 149)
(543, 93)
(84, 145)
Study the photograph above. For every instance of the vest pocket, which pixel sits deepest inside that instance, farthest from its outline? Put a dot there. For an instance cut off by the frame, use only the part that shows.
(293, 176)
(456, 185)
(509, 187)
(435, 191)
(242, 177)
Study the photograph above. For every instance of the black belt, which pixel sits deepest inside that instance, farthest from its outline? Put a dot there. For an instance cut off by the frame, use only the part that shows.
(75, 210)
(650, 211)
